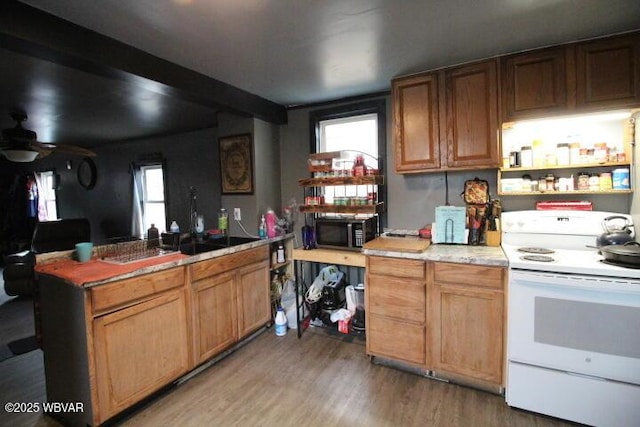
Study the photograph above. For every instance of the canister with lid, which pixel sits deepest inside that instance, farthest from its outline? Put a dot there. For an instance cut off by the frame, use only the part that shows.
(621, 179)
(562, 153)
(594, 183)
(605, 181)
(574, 153)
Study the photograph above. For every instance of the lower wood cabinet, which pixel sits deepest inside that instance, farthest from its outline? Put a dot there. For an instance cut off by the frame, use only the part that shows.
(445, 318)
(140, 349)
(254, 297)
(230, 300)
(214, 315)
(111, 345)
(395, 306)
(466, 305)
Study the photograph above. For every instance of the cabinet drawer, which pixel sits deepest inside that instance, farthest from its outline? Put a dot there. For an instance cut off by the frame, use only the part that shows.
(224, 263)
(396, 340)
(398, 298)
(120, 293)
(396, 267)
(465, 274)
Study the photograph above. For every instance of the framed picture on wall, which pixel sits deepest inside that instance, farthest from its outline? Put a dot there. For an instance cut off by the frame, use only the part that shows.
(236, 164)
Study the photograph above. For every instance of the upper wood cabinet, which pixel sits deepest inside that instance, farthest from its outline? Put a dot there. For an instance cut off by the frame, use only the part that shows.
(586, 76)
(471, 98)
(608, 73)
(447, 119)
(535, 84)
(416, 123)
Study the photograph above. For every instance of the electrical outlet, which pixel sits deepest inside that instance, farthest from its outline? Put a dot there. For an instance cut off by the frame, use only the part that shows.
(237, 215)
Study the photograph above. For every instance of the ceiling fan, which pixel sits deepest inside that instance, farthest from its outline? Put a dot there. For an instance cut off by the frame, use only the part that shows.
(21, 145)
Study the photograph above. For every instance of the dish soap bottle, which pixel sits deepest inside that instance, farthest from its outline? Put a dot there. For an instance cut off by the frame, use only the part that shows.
(223, 221)
(281, 322)
(153, 237)
(262, 230)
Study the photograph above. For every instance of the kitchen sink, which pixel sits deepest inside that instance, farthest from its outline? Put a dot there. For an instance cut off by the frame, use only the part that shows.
(198, 247)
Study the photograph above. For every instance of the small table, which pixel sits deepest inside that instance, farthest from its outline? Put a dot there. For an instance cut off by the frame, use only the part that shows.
(320, 256)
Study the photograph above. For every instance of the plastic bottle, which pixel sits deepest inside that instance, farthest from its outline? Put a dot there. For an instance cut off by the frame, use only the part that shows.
(280, 256)
(174, 228)
(262, 230)
(281, 322)
(223, 220)
(271, 220)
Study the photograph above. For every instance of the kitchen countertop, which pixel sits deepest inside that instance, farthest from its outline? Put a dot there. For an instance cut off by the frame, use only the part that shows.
(97, 272)
(461, 254)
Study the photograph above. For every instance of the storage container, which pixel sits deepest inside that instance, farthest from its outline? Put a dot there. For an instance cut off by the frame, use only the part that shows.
(621, 179)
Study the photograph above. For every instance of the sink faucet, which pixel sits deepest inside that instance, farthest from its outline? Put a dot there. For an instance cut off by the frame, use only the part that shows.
(193, 211)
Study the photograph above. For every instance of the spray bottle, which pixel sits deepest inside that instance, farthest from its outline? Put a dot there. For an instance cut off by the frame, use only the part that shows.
(262, 230)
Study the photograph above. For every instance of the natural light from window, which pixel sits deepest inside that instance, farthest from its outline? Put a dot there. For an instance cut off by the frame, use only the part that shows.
(353, 134)
(48, 194)
(153, 197)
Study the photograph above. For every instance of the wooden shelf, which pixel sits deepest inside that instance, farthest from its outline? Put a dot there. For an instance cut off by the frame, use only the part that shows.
(276, 267)
(579, 166)
(342, 180)
(561, 193)
(330, 256)
(351, 209)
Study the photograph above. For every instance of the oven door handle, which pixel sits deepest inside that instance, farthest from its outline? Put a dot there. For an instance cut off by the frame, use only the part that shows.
(592, 283)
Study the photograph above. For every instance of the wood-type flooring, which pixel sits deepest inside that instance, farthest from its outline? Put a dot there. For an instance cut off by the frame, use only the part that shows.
(283, 381)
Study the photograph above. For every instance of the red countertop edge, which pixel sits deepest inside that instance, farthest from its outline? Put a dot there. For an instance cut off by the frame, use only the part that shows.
(95, 270)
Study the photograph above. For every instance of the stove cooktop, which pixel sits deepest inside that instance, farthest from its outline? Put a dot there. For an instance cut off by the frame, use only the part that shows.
(587, 261)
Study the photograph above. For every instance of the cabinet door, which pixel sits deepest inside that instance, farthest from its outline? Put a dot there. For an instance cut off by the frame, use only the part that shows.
(466, 321)
(395, 339)
(254, 298)
(472, 116)
(534, 84)
(139, 349)
(214, 308)
(608, 73)
(416, 123)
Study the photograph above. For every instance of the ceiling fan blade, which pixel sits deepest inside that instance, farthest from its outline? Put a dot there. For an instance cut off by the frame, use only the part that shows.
(66, 148)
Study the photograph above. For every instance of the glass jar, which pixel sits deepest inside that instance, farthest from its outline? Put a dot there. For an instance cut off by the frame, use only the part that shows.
(550, 182)
(542, 184)
(583, 181)
(514, 159)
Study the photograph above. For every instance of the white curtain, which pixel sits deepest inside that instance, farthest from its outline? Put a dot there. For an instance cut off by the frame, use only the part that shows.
(137, 227)
(43, 215)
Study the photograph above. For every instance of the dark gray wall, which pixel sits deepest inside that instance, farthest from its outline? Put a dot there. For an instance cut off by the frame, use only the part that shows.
(191, 160)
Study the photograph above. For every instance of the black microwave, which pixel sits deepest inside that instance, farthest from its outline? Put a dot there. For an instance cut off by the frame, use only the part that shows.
(343, 233)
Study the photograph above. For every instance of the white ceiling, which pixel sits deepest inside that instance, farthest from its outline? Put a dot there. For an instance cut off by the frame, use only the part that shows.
(304, 51)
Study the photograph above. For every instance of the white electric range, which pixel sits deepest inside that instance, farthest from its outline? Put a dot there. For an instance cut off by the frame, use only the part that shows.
(573, 345)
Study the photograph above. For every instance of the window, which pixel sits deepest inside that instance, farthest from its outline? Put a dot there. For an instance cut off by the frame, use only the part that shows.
(149, 198)
(47, 194)
(358, 133)
(153, 206)
(358, 127)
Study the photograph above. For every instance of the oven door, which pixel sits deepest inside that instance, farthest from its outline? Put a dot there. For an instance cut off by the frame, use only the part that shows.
(579, 324)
